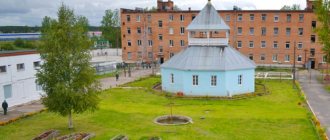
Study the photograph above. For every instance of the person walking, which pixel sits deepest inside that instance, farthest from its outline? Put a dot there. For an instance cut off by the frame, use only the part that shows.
(117, 76)
(5, 107)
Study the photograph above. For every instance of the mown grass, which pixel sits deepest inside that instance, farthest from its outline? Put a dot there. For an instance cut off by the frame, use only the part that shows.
(277, 116)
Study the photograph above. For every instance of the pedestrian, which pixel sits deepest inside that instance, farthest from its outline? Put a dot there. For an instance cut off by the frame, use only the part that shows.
(5, 107)
(117, 76)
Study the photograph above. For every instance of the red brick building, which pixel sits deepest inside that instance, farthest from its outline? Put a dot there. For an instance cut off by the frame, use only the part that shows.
(269, 37)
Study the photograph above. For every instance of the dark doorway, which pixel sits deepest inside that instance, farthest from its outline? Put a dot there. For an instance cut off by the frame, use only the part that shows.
(161, 60)
(312, 64)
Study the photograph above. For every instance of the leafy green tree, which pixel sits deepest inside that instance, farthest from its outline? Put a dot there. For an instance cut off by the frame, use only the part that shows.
(66, 75)
(110, 27)
(323, 31)
(7, 47)
(293, 7)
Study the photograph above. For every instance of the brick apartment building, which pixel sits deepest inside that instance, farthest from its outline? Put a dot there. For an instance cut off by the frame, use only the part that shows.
(266, 36)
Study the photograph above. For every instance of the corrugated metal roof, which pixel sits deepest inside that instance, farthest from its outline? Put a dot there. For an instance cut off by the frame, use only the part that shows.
(220, 58)
(208, 19)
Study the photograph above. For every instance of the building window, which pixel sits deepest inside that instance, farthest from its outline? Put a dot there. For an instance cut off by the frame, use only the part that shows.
(171, 18)
(239, 44)
(263, 44)
(182, 30)
(171, 43)
(171, 31)
(213, 80)
(149, 55)
(138, 18)
(150, 43)
(287, 45)
(263, 17)
(300, 31)
(160, 49)
(128, 18)
(172, 78)
(276, 18)
(149, 18)
(139, 42)
(227, 17)
(139, 54)
(160, 23)
(275, 31)
(139, 30)
(193, 17)
(3, 69)
(262, 57)
(288, 17)
(251, 56)
(313, 24)
(129, 55)
(301, 17)
(181, 18)
(313, 39)
(160, 37)
(251, 17)
(263, 31)
(274, 58)
(129, 43)
(251, 31)
(38, 87)
(182, 43)
(299, 58)
(7, 91)
(239, 30)
(251, 44)
(171, 55)
(20, 67)
(128, 30)
(240, 79)
(288, 31)
(324, 59)
(239, 17)
(36, 64)
(275, 44)
(287, 58)
(300, 45)
(195, 80)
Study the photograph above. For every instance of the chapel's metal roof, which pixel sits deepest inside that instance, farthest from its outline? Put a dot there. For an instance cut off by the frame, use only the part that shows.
(208, 19)
(218, 58)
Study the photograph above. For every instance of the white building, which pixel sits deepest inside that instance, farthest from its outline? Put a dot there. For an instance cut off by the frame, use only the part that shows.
(17, 77)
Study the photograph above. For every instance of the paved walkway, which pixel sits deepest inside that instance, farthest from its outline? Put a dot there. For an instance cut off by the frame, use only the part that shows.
(36, 106)
(317, 96)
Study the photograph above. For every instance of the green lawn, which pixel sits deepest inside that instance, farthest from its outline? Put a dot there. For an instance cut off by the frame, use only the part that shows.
(131, 111)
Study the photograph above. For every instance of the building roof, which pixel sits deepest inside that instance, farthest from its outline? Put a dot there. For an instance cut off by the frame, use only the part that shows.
(218, 58)
(208, 19)
(16, 53)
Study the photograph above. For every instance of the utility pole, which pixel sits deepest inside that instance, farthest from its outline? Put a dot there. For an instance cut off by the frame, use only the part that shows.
(294, 65)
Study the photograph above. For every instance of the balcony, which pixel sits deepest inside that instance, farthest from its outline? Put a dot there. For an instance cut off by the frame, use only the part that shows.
(208, 41)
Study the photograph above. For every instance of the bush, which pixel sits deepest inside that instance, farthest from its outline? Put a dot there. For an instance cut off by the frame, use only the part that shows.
(29, 45)
(7, 47)
(19, 42)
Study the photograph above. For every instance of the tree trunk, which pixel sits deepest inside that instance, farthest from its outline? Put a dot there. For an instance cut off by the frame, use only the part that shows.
(70, 120)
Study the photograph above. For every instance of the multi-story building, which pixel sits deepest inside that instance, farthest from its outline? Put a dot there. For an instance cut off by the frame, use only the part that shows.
(17, 77)
(269, 37)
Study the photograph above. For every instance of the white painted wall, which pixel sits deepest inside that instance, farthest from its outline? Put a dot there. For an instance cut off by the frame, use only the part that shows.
(24, 88)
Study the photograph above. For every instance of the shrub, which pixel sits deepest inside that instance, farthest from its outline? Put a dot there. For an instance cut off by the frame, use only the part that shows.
(19, 43)
(7, 47)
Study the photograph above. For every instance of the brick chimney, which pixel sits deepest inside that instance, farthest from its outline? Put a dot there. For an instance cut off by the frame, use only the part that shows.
(310, 4)
(165, 5)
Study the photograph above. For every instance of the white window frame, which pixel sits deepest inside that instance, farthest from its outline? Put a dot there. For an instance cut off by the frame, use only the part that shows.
(251, 31)
(129, 43)
(195, 80)
(181, 18)
(172, 78)
(239, 17)
(240, 80)
(171, 31)
(227, 17)
(251, 17)
(263, 44)
(262, 57)
(239, 44)
(287, 43)
(287, 58)
(275, 42)
(3, 69)
(213, 80)
(299, 57)
(239, 30)
(251, 44)
(171, 43)
(138, 18)
(276, 18)
(182, 43)
(274, 58)
(182, 30)
(150, 43)
(171, 17)
(139, 42)
(20, 67)
(300, 45)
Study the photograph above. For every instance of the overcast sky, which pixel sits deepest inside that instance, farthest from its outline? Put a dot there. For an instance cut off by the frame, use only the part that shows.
(31, 12)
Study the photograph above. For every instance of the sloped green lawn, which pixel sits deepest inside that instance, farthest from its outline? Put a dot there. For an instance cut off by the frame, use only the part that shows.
(131, 111)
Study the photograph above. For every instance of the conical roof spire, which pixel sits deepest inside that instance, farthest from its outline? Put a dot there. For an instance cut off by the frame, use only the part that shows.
(208, 19)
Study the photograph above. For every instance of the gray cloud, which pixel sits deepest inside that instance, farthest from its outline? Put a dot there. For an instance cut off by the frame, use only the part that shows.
(31, 12)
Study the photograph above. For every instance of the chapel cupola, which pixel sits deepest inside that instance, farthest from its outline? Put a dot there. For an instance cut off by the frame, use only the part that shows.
(208, 28)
